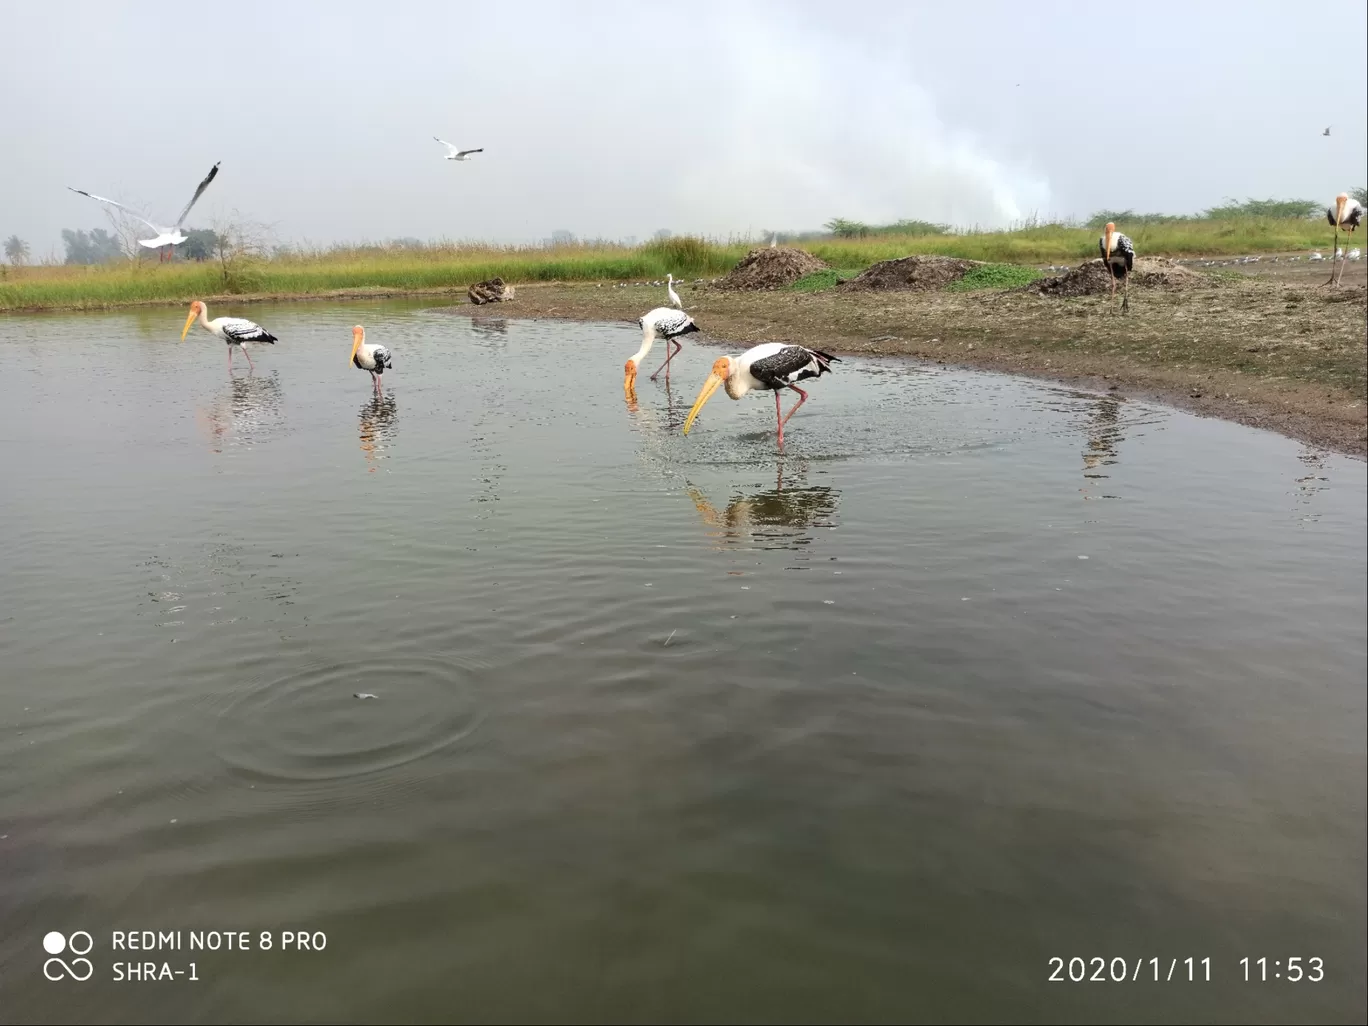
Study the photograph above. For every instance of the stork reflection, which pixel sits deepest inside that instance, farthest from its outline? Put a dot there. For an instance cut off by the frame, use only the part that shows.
(247, 411)
(1104, 435)
(379, 426)
(782, 517)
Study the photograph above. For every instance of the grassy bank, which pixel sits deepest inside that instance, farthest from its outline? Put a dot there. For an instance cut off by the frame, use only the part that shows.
(455, 266)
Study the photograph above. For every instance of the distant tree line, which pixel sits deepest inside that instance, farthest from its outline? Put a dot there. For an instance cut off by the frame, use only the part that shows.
(98, 246)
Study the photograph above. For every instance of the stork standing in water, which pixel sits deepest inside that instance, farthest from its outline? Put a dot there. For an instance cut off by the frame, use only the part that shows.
(662, 322)
(771, 366)
(1118, 254)
(1346, 214)
(236, 331)
(369, 357)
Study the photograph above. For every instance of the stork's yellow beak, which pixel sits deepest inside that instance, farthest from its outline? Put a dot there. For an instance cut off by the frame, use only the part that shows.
(358, 336)
(710, 386)
(1341, 201)
(188, 321)
(1110, 234)
(629, 374)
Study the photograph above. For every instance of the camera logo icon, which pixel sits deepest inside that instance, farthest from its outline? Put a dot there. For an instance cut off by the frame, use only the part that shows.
(78, 944)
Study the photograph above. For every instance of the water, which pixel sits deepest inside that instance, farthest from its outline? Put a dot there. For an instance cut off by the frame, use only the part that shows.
(980, 673)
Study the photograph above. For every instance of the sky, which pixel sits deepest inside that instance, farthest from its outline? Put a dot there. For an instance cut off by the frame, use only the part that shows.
(614, 120)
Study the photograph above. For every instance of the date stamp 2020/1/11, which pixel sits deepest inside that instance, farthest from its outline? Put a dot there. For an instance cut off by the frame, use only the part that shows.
(1187, 970)
(1124, 970)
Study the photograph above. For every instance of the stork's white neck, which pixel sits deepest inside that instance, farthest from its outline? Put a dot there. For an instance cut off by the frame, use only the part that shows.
(648, 340)
(204, 315)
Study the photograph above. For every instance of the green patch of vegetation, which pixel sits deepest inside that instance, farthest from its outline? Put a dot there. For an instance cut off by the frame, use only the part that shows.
(994, 276)
(820, 281)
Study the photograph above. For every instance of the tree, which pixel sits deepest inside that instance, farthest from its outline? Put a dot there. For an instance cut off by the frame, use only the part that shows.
(200, 244)
(1360, 194)
(663, 233)
(95, 247)
(847, 229)
(561, 237)
(16, 250)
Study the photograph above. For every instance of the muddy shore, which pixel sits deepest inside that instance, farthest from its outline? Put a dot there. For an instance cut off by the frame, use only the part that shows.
(1268, 349)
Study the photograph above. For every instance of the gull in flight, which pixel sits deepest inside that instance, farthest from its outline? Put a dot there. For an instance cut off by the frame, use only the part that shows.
(1326, 132)
(457, 154)
(166, 237)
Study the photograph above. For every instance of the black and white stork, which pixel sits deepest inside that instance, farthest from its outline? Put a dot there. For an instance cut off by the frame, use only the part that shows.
(771, 366)
(662, 322)
(236, 331)
(1118, 254)
(1346, 214)
(369, 357)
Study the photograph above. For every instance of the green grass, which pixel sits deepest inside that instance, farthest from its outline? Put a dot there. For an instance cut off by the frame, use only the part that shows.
(454, 267)
(820, 281)
(994, 276)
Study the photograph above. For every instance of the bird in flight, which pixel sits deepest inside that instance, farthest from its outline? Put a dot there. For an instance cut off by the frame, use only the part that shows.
(1327, 131)
(455, 153)
(166, 235)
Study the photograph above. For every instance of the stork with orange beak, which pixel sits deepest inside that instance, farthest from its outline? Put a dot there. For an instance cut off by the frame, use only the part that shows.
(1346, 214)
(236, 331)
(369, 357)
(662, 322)
(770, 366)
(1118, 255)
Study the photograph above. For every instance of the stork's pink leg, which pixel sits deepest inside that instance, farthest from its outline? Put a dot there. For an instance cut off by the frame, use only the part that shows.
(230, 359)
(802, 399)
(251, 366)
(669, 355)
(778, 419)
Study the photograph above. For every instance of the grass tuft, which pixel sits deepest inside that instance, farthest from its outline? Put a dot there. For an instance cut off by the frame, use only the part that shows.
(820, 281)
(994, 276)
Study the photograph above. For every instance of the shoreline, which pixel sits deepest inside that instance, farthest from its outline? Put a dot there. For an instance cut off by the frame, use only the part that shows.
(1265, 351)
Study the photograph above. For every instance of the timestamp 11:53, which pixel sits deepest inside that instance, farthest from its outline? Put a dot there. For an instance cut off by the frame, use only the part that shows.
(1294, 969)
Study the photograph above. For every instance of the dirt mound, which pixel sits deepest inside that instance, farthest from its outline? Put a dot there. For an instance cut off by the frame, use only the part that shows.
(492, 291)
(915, 272)
(771, 268)
(1091, 278)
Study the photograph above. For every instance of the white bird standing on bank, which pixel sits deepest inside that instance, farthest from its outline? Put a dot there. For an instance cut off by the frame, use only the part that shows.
(662, 322)
(166, 237)
(236, 331)
(369, 357)
(455, 152)
(674, 296)
(770, 366)
(1118, 254)
(1346, 214)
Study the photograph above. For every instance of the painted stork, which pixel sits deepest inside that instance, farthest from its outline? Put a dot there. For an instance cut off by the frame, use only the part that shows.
(662, 322)
(455, 152)
(236, 331)
(166, 237)
(1346, 214)
(771, 366)
(1119, 256)
(674, 296)
(369, 357)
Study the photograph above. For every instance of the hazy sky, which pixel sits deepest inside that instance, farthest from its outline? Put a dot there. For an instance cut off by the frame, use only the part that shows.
(615, 119)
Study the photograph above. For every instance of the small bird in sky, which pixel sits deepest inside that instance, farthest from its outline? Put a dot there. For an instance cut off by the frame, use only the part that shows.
(455, 153)
(1327, 130)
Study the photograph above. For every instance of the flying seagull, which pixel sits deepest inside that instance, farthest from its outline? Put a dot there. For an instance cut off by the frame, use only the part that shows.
(457, 154)
(171, 236)
(1327, 131)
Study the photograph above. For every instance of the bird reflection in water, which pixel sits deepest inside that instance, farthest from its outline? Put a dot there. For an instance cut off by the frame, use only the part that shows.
(246, 412)
(494, 329)
(379, 425)
(1313, 482)
(784, 517)
(651, 417)
(1104, 433)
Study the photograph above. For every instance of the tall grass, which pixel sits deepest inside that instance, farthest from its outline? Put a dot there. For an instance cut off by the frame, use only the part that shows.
(303, 272)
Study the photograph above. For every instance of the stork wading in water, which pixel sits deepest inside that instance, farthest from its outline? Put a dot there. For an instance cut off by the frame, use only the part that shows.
(369, 357)
(1346, 214)
(236, 331)
(1118, 254)
(772, 366)
(662, 322)
(166, 237)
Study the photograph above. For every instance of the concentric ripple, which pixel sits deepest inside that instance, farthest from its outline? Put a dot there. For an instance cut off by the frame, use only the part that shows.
(311, 726)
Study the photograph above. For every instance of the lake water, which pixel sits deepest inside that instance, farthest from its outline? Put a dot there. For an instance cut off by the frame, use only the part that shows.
(980, 673)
